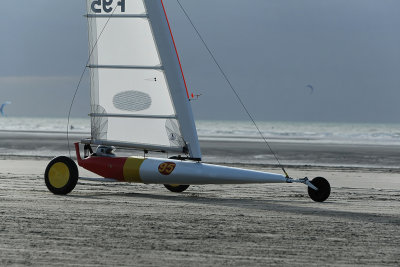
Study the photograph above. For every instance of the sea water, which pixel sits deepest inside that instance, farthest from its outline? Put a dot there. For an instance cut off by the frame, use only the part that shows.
(313, 132)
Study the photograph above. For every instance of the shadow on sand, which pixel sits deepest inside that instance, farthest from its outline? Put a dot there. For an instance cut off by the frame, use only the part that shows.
(294, 206)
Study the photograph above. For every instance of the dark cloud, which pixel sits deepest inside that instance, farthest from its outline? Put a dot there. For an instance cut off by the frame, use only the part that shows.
(348, 49)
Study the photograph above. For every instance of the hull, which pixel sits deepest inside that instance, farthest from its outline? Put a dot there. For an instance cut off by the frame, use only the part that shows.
(166, 171)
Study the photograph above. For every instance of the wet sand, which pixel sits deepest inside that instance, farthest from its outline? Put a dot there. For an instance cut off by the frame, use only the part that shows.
(295, 154)
(123, 224)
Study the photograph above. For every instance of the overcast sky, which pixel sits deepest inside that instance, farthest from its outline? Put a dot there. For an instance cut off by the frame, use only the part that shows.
(348, 50)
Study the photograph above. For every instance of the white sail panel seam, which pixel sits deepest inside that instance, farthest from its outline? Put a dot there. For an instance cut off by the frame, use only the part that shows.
(132, 116)
(116, 16)
(125, 67)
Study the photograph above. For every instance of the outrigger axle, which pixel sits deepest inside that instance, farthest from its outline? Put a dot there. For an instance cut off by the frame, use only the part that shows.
(302, 181)
(61, 173)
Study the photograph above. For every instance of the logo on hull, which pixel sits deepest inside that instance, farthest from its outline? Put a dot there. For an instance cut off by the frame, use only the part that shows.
(166, 168)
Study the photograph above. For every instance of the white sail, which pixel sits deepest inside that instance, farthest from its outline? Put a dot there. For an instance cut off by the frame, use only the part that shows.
(138, 94)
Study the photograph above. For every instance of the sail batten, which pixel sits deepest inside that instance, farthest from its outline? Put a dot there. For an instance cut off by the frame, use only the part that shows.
(137, 89)
(133, 116)
(116, 15)
(125, 67)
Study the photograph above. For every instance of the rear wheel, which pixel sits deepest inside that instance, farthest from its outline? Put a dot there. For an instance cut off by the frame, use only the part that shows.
(176, 187)
(323, 192)
(61, 175)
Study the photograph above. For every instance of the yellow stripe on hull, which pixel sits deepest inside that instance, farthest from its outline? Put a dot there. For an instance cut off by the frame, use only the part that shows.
(132, 170)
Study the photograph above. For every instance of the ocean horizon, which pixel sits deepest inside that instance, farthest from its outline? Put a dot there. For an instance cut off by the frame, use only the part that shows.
(228, 130)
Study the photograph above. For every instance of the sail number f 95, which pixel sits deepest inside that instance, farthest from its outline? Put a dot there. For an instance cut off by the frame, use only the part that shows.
(106, 5)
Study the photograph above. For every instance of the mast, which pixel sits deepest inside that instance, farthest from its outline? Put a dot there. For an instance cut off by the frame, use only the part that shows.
(168, 53)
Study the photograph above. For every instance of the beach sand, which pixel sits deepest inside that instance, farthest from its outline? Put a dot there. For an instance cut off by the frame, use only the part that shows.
(231, 225)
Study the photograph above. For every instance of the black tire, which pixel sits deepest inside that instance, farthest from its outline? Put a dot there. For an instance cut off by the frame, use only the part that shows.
(323, 192)
(176, 188)
(61, 175)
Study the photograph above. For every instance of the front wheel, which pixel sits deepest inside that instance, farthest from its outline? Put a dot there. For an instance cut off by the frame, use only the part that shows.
(176, 187)
(323, 192)
(61, 175)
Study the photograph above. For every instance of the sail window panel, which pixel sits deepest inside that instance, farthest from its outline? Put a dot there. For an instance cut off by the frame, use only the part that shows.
(133, 91)
(124, 41)
(143, 131)
(115, 7)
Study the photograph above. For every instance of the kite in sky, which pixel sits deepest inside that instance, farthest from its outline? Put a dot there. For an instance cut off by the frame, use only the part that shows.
(311, 88)
(2, 107)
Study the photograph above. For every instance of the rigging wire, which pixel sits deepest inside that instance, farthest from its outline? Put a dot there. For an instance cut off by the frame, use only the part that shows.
(83, 73)
(233, 89)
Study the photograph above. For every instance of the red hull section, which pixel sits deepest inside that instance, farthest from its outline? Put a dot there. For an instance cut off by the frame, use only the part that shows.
(107, 167)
